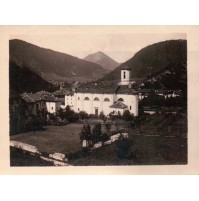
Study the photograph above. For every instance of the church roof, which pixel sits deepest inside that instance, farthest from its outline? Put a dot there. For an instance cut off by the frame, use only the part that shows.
(125, 68)
(98, 88)
(105, 88)
(125, 89)
(118, 105)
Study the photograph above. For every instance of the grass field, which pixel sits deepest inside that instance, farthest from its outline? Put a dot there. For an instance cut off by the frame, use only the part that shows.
(64, 139)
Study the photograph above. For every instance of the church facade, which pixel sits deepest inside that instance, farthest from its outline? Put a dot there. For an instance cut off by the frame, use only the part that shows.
(107, 99)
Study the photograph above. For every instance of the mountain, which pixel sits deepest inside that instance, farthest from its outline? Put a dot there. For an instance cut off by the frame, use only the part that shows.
(164, 61)
(103, 60)
(21, 79)
(52, 65)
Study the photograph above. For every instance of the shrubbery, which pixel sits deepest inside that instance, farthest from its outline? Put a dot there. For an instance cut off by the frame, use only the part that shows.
(93, 136)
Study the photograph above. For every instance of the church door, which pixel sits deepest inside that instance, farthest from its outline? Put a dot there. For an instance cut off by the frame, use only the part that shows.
(96, 111)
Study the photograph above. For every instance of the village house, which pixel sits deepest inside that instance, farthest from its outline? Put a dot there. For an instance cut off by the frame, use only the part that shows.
(41, 101)
(60, 94)
(98, 98)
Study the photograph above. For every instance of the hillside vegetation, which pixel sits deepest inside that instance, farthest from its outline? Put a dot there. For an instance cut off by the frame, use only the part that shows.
(51, 64)
(167, 59)
(21, 79)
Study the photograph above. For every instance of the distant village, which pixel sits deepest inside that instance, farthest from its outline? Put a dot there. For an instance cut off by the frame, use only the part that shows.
(92, 100)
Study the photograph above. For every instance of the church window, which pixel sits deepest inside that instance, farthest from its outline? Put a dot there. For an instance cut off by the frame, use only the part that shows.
(121, 99)
(86, 98)
(106, 100)
(130, 107)
(96, 99)
(124, 75)
(78, 98)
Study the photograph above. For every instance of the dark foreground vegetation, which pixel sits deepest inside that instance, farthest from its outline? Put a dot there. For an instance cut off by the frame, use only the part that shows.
(144, 150)
(21, 158)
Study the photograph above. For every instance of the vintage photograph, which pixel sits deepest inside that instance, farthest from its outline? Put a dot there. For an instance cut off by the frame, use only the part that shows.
(100, 99)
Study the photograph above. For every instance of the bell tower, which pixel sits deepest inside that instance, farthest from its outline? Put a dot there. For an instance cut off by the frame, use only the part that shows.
(125, 76)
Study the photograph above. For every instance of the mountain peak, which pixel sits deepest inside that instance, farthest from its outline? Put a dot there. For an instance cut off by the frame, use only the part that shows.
(103, 60)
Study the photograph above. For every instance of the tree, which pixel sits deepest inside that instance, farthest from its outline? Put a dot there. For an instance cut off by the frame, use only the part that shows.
(60, 113)
(102, 116)
(127, 116)
(85, 133)
(108, 128)
(97, 133)
(83, 115)
(70, 115)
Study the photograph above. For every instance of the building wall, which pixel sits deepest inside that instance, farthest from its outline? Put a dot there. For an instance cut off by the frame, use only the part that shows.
(131, 101)
(89, 102)
(86, 102)
(52, 107)
(69, 100)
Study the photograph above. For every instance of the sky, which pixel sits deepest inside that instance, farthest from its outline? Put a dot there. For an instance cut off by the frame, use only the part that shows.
(120, 47)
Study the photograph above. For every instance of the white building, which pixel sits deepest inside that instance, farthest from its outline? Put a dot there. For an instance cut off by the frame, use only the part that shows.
(106, 98)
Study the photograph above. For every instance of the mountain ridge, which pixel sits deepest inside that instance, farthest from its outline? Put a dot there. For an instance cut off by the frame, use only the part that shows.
(45, 61)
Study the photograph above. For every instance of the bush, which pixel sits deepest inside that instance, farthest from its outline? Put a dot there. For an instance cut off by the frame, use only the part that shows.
(123, 148)
(102, 116)
(127, 116)
(83, 115)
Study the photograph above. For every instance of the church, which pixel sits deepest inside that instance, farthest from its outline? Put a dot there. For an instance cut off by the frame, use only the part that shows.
(97, 98)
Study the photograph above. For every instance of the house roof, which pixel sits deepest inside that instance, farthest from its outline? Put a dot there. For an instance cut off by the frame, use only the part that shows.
(51, 99)
(61, 92)
(43, 92)
(118, 105)
(30, 97)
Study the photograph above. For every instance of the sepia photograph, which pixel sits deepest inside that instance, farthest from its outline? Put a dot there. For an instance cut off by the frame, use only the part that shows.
(97, 98)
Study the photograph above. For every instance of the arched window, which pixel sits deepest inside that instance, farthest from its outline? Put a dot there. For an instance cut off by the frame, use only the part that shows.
(86, 98)
(124, 75)
(130, 107)
(96, 99)
(106, 100)
(121, 99)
